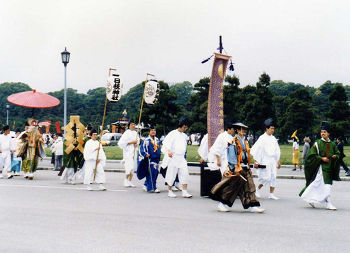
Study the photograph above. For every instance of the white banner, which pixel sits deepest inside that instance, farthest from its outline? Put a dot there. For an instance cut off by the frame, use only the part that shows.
(151, 92)
(114, 88)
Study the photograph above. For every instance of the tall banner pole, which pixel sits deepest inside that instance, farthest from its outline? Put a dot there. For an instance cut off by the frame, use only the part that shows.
(215, 115)
(142, 101)
(103, 121)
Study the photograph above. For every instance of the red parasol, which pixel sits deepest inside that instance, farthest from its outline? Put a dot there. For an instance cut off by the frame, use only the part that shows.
(44, 123)
(33, 99)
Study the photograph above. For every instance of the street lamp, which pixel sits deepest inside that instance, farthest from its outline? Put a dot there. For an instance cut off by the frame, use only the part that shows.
(7, 114)
(65, 60)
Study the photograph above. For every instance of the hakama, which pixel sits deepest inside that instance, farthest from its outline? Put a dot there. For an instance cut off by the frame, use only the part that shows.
(90, 155)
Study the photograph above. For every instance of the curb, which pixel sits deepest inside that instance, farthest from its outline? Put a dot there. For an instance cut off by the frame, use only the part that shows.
(198, 174)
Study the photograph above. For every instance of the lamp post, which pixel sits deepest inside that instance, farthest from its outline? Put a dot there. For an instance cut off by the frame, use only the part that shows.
(65, 60)
(7, 114)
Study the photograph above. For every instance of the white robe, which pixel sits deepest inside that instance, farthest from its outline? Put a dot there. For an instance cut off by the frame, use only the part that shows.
(176, 142)
(219, 148)
(6, 146)
(129, 150)
(317, 191)
(267, 152)
(203, 148)
(90, 154)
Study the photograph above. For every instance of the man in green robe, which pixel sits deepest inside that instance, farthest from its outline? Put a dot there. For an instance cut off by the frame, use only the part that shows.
(73, 158)
(321, 168)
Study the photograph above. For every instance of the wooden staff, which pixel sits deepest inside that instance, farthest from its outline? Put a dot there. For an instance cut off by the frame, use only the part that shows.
(141, 107)
(103, 121)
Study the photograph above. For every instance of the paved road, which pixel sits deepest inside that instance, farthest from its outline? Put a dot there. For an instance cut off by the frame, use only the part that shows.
(115, 165)
(45, 215)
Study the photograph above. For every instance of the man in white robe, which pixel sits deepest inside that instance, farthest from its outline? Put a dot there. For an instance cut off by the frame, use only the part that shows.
(174, 149)
(90, 155)
(6, 149)
(128, 142)
(203, 149)
(266, 153)
(217, 157)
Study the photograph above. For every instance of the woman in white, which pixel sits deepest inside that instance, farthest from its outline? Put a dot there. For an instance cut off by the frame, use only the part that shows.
(266, 153)
(128, 142)
(92, 147)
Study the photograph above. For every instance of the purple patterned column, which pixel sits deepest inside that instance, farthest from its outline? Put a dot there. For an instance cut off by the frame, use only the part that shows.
(215, 118)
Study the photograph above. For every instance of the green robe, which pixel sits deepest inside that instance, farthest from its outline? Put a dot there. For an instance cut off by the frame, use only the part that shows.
(330, 170)
(75, 159)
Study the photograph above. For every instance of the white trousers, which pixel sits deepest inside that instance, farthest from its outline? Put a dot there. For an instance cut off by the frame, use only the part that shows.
(177, 165)
(79, 175)
(6, 162)
(317, 191)
(89, 173)
(268, 175)
(68, 175)
(213, 165)
(130, 163)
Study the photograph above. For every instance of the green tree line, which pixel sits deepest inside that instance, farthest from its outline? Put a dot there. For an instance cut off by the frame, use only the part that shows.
(293, 106)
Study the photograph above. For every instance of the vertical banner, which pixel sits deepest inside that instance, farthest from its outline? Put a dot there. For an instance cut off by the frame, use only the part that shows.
(114, 87)
(151, 93)
(215, 116)
(58, 129)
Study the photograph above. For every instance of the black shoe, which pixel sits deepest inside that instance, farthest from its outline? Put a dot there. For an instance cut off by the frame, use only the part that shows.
(347, 173)
(10, 176)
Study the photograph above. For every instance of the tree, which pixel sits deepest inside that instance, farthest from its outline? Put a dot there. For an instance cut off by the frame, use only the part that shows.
(232, 99)
(165, 113)
(339, 112)
(183, 91)
(258, 105)
(299, 115)
(198, 106)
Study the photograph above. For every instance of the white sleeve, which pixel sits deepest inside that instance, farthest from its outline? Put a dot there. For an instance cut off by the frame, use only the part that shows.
(88, 151)
(203, 148)
(167, 143)
(257, 150)
(124, 140)
(278, 151)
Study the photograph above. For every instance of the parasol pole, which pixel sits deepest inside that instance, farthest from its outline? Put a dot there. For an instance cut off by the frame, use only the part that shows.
(103, 121)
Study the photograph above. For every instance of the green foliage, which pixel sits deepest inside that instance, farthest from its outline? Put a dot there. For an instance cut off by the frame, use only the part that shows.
(339, 112)
(293, 106)
(165, 113)
(299, 115)
(183, 91)
(198, 106)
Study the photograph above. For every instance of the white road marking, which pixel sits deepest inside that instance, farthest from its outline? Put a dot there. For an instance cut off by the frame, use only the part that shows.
(53, 187)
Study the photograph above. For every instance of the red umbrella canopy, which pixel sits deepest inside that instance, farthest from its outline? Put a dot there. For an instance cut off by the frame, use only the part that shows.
(33, 99)
(44, 123)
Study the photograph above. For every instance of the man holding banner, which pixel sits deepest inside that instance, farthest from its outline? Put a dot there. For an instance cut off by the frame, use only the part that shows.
(128, 142)
(149, 160)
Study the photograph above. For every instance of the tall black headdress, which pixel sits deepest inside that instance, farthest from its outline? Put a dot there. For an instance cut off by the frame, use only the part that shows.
(325, 126)
(269, 123)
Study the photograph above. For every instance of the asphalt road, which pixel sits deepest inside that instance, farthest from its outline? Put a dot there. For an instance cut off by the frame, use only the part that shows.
(116, 165)
(45, 215)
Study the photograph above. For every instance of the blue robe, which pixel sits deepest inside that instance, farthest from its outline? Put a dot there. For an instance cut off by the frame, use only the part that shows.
(148, 167)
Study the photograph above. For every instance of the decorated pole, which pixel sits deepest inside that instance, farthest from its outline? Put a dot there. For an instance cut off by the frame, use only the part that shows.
(215, 113)
(113, 94)
(215, 116)
(150, 96)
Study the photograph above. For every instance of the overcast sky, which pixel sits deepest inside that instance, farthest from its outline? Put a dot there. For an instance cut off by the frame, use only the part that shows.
(306, 41)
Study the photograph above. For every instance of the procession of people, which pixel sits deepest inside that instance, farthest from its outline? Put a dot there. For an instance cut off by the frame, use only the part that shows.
(83, 158)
